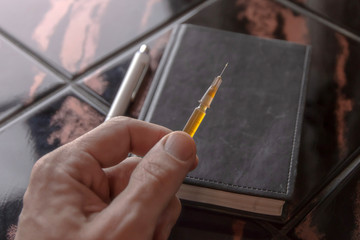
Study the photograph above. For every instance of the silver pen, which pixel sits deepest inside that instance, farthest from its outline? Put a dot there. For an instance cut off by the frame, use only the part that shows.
(131, 83)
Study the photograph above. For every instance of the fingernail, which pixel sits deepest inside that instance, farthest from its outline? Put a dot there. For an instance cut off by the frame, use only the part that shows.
(180, 145)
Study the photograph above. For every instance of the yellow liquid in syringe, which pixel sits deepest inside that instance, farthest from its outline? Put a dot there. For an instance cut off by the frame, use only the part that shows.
(194, 121)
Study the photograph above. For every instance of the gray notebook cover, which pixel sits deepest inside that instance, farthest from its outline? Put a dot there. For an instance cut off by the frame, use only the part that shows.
(249, 139)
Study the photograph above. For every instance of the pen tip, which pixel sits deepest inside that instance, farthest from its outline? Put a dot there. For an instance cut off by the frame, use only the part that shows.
(144, 48)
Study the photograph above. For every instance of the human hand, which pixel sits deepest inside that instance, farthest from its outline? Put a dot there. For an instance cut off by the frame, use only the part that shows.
(89, 189)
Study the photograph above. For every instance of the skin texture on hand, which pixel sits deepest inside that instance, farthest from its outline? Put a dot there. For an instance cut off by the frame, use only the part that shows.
(90, 189)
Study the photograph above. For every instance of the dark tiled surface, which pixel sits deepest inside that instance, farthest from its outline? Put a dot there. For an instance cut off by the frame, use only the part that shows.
(23, 80)
(343, 13)
(329, 136)
(338, 216)
(76, 34)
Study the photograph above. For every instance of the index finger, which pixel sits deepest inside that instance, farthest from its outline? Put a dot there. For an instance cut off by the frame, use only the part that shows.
(112, 141)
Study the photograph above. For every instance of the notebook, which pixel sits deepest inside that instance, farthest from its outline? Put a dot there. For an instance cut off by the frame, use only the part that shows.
(248, 142)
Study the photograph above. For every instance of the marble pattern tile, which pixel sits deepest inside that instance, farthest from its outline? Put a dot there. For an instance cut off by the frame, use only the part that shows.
(343, 13)
(73, 34)
(24, 81)
(338, 217)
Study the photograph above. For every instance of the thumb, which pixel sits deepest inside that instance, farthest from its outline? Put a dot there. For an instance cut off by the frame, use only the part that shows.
(154, 183)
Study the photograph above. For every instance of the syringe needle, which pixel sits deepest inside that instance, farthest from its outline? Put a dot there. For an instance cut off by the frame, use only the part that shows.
(199, 112)
(223, 69)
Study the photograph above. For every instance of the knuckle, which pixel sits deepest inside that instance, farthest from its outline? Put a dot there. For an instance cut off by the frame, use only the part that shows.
(50, 166)
(42, 165)
(153, 171)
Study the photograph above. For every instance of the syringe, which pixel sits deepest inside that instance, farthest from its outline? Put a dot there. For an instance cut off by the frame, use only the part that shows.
(199, 112)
